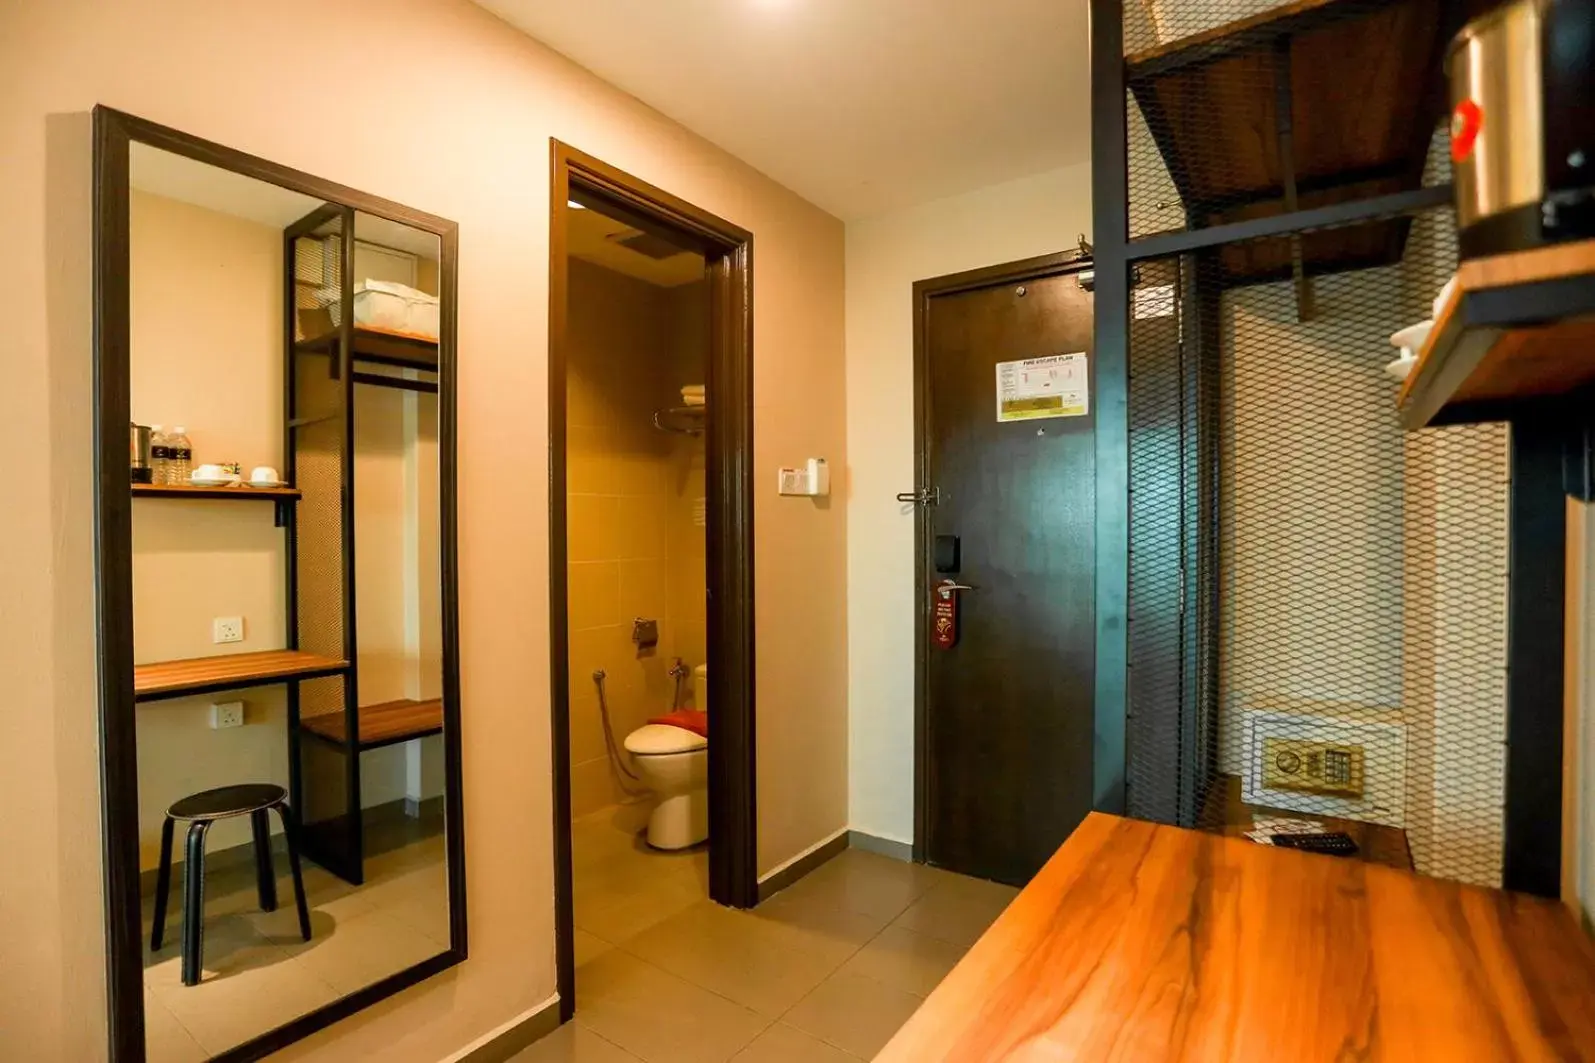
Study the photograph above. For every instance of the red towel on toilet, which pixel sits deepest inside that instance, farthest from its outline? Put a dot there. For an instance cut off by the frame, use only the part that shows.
(687, 719)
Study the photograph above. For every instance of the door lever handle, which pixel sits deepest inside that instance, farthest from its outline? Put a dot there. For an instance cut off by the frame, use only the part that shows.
(925, 496)
(954, 587)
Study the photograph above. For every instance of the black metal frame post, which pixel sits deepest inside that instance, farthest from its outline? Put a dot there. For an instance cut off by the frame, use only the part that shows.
(353, 834)
(1110, 237)
(1532, 860)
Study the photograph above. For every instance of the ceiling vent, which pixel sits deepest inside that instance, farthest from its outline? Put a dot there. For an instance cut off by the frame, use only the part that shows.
(655, 247)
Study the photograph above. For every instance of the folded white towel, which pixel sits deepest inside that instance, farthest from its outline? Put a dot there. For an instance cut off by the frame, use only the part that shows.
(692, 400)
(693, 389)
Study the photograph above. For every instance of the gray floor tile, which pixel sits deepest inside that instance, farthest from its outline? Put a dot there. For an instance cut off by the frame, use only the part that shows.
(906, 959)
(787, 1044)
(761, 965)
(853, 1013)
(957, 909)
(659, 1017)
(573, 1043)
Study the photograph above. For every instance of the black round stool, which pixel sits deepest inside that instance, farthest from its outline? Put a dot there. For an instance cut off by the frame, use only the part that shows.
(201, 810)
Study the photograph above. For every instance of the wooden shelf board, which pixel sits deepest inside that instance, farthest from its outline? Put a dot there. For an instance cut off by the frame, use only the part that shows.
(1223, 39)
(197, 675)
(383, 346)
(1213, 102)
(231, 494)
(380, 725)
(1493, 344)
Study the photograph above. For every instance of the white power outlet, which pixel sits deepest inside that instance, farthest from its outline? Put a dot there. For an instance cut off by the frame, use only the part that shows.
(227, 629)
(226, 714)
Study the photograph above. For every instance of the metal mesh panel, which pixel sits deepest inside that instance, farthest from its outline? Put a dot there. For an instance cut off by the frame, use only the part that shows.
(1239, 109)
(1317, 598)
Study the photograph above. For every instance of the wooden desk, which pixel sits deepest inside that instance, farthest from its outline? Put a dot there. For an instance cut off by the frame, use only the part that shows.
(1139, 942)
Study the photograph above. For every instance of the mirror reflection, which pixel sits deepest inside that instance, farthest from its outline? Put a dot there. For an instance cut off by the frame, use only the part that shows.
(287, 601)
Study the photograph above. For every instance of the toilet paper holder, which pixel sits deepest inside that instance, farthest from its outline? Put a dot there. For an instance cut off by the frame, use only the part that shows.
(645, 633)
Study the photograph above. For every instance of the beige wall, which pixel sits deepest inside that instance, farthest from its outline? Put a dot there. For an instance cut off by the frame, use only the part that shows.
(885, 256)
(632, 551)
(468, 106)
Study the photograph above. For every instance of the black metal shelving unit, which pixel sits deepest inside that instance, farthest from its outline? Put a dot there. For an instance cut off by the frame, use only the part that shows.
(1298, 144)
(330, 357)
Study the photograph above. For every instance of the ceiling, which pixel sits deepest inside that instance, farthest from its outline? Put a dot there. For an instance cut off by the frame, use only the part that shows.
(860, 106)
(593, 237)
(178, 177)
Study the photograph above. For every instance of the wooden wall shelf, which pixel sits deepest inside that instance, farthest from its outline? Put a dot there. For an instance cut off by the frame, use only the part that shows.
(380, 346)
(1259, 117)
(232, 671)
(381, 725)
(1518, 327)
(231, 494)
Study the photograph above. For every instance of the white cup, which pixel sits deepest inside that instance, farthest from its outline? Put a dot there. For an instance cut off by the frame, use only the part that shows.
(209, 472)
(263, 474)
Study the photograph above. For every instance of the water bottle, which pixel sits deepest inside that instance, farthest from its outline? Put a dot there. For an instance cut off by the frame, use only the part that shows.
(180, 456)
(160, 454)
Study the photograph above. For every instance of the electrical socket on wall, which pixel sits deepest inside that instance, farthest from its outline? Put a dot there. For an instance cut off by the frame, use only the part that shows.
(226, 714)
(227, 629)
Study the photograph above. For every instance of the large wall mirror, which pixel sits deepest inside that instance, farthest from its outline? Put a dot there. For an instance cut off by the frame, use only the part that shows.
(279, 676)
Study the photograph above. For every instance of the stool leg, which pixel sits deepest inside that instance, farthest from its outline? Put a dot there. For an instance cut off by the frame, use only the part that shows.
(194, 902)
(265, 875)
(290, 833)
(163, 885)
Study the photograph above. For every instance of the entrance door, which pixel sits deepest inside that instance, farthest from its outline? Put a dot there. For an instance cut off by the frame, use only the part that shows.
(1004, 759)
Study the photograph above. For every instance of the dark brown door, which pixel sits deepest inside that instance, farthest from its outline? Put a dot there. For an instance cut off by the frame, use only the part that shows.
(1006, 712)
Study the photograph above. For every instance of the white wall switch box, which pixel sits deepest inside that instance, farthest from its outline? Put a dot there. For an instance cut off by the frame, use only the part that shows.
(812, 480)
(227, 629)
(226, 714)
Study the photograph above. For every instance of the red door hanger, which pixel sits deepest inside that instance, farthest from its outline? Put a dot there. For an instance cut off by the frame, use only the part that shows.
(944, 615)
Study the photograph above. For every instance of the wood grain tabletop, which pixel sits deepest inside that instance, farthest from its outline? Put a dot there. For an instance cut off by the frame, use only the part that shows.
(1144, 942)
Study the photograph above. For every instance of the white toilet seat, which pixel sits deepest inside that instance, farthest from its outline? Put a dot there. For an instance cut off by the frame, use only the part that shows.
(658, 739)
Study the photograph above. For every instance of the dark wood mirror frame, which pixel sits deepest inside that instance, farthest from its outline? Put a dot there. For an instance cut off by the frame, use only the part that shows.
(114, 132)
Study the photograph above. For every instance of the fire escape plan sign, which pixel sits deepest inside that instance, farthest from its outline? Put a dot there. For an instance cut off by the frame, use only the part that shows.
(1052, 386)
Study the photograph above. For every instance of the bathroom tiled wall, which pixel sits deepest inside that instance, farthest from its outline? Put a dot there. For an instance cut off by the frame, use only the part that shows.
(635, 550)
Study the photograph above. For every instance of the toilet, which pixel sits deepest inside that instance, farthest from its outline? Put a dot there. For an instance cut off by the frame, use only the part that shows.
(673, 762)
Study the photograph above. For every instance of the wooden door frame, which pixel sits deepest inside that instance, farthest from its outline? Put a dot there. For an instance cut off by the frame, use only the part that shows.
(728, 252)
(1027, 269)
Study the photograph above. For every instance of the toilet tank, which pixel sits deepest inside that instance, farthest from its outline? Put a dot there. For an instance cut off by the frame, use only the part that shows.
(700, 687)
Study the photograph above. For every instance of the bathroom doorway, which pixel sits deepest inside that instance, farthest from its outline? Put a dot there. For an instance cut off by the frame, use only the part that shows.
(650, 555)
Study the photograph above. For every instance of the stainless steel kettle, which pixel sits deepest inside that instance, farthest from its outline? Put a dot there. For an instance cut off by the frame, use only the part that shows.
(1522, 81)
(139, 453)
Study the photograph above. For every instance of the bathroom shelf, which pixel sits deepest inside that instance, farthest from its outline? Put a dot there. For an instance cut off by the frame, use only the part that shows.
(693, 414)
(230, 494)
(380, 725)
(1517, 327)
(232, 671)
